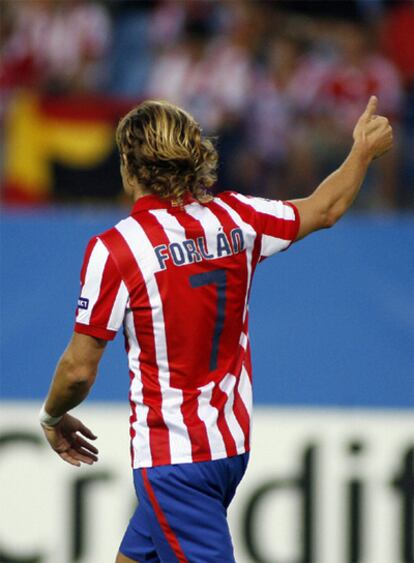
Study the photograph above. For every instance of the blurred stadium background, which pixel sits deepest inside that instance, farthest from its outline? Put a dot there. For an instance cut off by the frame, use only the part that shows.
(280, 83)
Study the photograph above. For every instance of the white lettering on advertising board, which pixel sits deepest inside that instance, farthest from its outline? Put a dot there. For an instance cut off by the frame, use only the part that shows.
(323, 486)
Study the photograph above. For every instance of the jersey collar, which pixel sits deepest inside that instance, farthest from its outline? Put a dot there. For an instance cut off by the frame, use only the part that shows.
(151, 201)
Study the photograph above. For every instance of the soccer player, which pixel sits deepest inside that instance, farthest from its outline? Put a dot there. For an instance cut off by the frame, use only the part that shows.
(177, 274)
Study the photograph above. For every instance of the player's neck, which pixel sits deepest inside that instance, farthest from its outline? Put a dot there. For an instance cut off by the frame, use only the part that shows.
(138, 193)
(133, 189)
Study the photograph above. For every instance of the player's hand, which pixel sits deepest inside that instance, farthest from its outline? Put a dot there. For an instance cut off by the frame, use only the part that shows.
(373, 133)
(67, 441)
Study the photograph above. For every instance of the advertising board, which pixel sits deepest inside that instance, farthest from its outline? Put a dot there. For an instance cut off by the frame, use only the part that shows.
(322, 486)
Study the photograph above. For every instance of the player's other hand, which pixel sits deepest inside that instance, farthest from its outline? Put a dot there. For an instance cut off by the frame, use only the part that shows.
(66, 438)
(373, 133)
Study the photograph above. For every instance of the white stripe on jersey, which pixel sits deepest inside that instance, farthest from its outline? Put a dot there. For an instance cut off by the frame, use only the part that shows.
(245, 390)
(141, 441)
(227, 385)
(271, 245)
(247, 230)
(273, 207)
(93, 280)
(243, 340)
(209, 223)
(209, 414)
(172, 398)
(118, 310)
(173, 229)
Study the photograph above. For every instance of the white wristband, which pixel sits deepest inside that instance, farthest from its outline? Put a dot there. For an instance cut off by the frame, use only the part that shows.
(46, 419)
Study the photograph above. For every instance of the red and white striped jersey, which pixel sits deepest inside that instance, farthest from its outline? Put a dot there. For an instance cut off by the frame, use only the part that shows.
(178, 280)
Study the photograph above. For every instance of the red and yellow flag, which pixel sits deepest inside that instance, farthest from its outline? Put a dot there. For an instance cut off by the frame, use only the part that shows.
(61, 147)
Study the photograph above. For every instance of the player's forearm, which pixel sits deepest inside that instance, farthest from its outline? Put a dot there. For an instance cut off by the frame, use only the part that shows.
(75, 374)
(336, 193)
(70, 386)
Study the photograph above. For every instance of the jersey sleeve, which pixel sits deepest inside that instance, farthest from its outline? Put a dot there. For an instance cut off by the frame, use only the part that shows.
(104, 296)
(276, 222)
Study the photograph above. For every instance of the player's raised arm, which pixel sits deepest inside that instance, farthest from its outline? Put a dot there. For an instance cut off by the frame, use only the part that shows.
(333, 197)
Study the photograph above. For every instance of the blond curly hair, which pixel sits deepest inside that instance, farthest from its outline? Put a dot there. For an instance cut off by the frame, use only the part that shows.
(163, 148)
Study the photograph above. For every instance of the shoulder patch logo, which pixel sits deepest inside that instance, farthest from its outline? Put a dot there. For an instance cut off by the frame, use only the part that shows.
(83, 303)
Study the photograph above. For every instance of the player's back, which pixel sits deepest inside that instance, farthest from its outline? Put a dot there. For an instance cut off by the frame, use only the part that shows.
(180, 276)
(194, 281)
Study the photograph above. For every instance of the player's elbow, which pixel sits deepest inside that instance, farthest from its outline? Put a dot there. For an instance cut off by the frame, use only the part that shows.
(77, 375)
(326, 219)
(332, 214)
(329, 219)
(321, 212)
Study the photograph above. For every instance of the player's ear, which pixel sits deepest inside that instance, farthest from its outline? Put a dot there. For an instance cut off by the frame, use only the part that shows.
(124, 160)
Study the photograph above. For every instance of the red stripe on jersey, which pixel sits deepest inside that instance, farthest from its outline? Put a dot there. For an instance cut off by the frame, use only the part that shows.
(218, 400)
(101, 312)
(201, 296)
(221, 213)
(166, 528)
(296, 212)
(239, 409)
(263, 223)
(200, 446)
(140, 304)
(285, 229)
(85, 263)
(256, 254)
(188, 222)
(246, 218)
(96, 331)
(247, 215)
(241, 268)
(248, 362)
(125, 262)
(133, 416)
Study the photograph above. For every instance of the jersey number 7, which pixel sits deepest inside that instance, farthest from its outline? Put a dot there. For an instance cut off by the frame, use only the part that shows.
(219, 278)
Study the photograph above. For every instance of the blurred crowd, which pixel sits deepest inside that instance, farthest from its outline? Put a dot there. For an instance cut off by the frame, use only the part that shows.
(279, 83)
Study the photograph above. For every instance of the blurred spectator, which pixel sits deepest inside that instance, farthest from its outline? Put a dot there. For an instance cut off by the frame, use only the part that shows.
(280, 83)
(207, 74)
(283, 91)
(181, 73)
(397, 38)
(54, 44)
(130, 58)
(355, 73)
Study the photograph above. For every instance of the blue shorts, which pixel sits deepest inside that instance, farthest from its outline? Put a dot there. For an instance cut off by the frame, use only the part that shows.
(182, 512)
